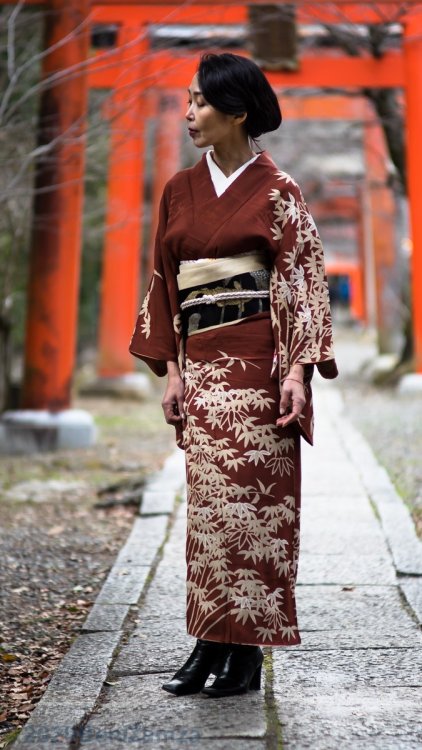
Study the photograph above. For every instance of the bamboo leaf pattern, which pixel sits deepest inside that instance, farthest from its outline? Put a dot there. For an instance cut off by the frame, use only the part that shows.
(241, 542)
(298, 286)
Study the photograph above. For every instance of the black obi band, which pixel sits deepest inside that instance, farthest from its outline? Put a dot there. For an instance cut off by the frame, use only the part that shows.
(224, 301)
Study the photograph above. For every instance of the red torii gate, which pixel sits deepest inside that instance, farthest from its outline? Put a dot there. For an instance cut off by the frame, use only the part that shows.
(52, 303)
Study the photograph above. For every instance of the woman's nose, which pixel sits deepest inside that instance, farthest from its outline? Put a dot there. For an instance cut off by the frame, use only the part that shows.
(189, 113)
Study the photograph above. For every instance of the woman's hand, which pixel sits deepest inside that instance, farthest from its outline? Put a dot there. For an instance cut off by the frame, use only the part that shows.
(172, 402)
(292, 397)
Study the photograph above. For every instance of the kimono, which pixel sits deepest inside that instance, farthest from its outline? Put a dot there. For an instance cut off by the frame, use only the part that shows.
(238, 295)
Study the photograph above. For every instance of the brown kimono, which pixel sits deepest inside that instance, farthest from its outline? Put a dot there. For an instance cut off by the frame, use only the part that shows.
(234, 350)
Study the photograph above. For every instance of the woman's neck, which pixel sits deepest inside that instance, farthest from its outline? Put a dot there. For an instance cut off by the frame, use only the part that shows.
(230, 158)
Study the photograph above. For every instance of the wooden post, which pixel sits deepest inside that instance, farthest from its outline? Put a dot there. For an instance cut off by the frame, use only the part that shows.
(361, 255)
(413, 86)
(56, 234)
(124, 220)
(167, 155)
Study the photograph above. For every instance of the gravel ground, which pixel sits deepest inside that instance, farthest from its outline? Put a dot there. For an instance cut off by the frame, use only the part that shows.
(56, 546)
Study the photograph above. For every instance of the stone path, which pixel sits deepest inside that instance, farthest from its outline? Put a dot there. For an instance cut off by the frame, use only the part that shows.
(356, 680)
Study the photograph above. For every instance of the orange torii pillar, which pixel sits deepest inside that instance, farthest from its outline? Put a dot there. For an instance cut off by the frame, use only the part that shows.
(167, 155)
(383, 240)
(45, 422)
(362, 253)
(56, 235)
(357, 297)
(124, 221)
(413, 71)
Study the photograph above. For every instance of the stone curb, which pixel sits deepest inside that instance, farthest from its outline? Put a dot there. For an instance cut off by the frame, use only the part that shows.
(79, 678)
(395, 519)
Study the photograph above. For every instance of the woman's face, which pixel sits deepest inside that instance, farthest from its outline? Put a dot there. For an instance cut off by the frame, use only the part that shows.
(206, 125)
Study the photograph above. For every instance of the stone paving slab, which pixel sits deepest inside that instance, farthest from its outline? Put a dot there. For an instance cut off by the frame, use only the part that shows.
(163, 585)
(164, 607)
(397, 524)
(159, 645)
(141, 702)
(124, 584)
(105, 617)
(323, 640)
(399, 531)
(143, 541)
(362, 541)
(342, 508)
(376, 609)
(159, 493)
(172, 474)
(329, 479)
(158, 500)
(149, 740)
(337, 670)
(363, 718)
(352, 570)
(412, 590)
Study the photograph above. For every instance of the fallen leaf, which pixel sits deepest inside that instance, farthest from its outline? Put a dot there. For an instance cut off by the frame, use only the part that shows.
(20, 669)
(55, 530)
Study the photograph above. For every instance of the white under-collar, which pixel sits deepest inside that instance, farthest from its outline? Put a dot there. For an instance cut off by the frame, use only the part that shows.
(219, 179)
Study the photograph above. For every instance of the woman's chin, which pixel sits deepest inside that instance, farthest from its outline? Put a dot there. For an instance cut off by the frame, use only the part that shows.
(201, 142)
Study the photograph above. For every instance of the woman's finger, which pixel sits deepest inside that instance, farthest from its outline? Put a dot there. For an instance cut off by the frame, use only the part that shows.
(170, 414)
(181, 407)
(292, 398)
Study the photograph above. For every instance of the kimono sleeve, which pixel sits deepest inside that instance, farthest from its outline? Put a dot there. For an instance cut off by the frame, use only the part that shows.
(300, 304)
(154, 337)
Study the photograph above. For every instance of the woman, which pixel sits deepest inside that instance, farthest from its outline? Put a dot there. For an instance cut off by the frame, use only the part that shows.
(237, 314)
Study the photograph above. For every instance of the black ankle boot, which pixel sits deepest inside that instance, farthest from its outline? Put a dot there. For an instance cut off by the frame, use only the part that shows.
(241, 672)
(206, 657)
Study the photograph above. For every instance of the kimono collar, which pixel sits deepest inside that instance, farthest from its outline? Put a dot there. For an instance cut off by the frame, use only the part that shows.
(219, 179)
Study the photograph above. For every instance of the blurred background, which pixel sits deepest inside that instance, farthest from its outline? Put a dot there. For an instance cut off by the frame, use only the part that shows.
(92, 115)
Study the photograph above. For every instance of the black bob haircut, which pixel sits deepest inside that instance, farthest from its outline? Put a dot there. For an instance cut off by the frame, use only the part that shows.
(235, 85)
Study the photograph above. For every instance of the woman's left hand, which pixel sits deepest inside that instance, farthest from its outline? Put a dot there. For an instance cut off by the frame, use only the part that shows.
(292, 401)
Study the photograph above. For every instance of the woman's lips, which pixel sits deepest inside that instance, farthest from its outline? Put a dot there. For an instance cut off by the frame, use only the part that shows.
(192, 132)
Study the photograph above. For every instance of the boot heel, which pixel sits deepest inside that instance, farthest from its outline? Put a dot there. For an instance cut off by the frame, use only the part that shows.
(255, 683)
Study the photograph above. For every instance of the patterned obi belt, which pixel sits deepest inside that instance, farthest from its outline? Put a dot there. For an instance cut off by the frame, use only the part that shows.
(217, 292)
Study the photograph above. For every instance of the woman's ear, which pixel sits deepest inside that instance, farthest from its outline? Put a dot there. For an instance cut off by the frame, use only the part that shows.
(240, 119)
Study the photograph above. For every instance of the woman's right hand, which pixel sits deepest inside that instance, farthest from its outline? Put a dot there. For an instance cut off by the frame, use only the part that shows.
(173, 398)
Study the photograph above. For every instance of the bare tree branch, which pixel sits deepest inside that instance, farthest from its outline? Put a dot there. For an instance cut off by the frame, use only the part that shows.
(391, 119)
